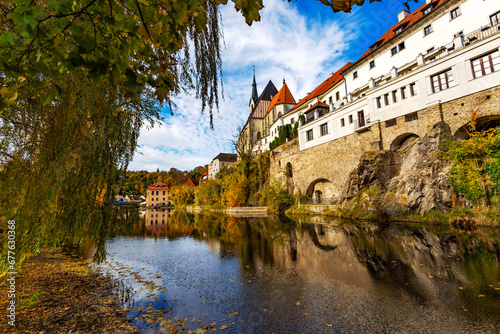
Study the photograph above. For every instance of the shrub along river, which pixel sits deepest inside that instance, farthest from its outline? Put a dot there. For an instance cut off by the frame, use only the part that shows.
(211, 272)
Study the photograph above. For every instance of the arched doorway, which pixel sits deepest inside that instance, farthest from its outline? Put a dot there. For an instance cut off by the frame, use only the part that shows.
(318, 196)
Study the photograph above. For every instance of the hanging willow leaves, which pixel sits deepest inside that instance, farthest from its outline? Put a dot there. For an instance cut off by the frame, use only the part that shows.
(63, 159)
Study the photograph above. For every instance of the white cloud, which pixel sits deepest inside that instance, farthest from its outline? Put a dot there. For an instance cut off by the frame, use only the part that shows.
(285, 43)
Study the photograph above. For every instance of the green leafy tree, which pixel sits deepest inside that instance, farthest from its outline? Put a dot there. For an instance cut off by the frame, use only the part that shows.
(476, 164)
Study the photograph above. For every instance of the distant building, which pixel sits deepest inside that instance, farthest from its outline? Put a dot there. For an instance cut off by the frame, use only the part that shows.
(158, 195)
(133, 199)
(222, 160)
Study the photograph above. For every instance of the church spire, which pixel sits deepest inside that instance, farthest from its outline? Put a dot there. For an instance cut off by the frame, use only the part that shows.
(255, 96)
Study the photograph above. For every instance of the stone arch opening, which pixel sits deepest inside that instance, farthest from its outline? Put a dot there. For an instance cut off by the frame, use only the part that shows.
(320, 191)
(483, 124)
(258, 135)
(403, 141)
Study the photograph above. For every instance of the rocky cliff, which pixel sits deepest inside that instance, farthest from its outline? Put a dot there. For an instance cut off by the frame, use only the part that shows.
(412, 176)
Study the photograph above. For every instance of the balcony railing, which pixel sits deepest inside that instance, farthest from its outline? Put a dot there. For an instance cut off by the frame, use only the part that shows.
(440, 52)
(481, 33)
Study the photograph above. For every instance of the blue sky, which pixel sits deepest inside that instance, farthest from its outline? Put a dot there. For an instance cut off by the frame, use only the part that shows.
(302, 41)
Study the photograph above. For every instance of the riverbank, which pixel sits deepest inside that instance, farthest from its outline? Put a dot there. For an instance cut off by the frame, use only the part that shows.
(254, 211)
(56, 293)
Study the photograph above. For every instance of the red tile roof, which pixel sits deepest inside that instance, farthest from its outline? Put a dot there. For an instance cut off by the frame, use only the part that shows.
(316, 105)
(284, 96)
(406, 23)
(158, 186)
(326, 85)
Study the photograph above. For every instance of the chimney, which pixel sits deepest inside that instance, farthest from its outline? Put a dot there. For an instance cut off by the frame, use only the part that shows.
(402, 15)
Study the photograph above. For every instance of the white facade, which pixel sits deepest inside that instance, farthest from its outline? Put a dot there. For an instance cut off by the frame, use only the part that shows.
(464, 83)
(413, 90)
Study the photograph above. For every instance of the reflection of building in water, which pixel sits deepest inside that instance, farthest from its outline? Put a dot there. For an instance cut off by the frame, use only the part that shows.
(157, 219)
(158, 195)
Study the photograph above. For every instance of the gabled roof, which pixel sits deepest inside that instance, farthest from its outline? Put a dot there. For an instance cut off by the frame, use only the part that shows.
(323, 87)
(284, 96)
(316, 105)
(411, 19)
(158, 185)
(226, 157)
(268, 92)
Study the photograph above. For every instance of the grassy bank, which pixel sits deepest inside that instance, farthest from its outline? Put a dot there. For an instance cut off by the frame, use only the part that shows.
(59, 294)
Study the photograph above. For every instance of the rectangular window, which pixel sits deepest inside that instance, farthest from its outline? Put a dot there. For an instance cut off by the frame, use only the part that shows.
(342, 122)
(292, 121)
(395, 96)
(355, 75)
(398, 31)
(427, 30)
(330, 100)
(361, 118)
(379, 102)
(394, 50)
(372, 64)
(163, 192)
(324, 129)
(495, 18)
(430, 50)
(390, 123)
(486, 64)
(411, 117)
(309, 135)
(404, 93)
(454, 13)
(386, 99)
(442, 81)
(427, 10)
(337, 96)
(350, 119)
(401, 46)
(413, 91)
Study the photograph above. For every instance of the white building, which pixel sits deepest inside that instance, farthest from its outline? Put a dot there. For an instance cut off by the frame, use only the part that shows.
(222, 160)
(444, 50)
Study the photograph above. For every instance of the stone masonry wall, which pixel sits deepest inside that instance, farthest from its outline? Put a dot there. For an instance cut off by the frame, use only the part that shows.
(333, 161)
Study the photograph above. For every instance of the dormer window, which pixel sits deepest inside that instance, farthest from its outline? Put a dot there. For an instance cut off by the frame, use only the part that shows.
(427, 9)
(400, 28)
(375, 46)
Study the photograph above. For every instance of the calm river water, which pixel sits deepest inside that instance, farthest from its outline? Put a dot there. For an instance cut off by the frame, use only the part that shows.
(269, 275)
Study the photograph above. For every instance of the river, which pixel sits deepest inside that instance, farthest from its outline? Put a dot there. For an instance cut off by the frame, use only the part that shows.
(203, 273)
